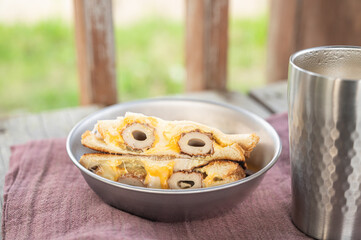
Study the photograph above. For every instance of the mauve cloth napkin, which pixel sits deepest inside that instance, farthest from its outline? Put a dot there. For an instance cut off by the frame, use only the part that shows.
(45, 197)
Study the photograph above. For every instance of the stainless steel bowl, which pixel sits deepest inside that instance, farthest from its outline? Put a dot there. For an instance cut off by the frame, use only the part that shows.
(177, 205)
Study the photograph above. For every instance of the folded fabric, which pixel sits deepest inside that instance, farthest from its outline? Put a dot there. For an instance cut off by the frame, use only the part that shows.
(45, 197)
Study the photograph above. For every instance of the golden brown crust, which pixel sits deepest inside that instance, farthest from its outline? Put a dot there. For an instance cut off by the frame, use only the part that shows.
(113, 165)
(225, 146)
(248, 146)
(132, 169)
(90, 141)
(220, 172)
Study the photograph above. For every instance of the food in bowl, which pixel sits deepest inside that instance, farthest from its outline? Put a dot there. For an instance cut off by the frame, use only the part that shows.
(151, 152)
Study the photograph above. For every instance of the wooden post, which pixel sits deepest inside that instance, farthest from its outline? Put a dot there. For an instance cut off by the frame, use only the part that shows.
(95, 51)
(206, 44)
(281, 38)
(300, 24)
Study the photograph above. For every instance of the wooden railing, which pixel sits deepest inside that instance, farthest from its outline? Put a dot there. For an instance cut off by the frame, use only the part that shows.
(206, 48)
(96, 51)
(294, 25)
(206, 44)
(300, 24)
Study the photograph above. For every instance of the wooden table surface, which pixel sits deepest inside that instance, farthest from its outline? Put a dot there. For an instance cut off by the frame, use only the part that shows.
(57, 124)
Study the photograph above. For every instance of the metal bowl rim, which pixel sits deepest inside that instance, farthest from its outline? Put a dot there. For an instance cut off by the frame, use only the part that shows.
(331, 47)
(275, 136)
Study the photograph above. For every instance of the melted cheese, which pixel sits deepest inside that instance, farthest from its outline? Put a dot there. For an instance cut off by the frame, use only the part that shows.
(170, 135)
(173, 144)
(111, 170)
(130, 119)
(216, 146)
(115, 140)
(110, 134)
(158, 173)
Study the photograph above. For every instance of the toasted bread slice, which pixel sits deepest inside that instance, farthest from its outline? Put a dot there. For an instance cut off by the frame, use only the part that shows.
(113, 167)
(220, 172)
(150, 136)
(162, 173)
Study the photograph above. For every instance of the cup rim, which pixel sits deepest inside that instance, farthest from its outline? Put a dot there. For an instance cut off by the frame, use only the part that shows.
(307, 50)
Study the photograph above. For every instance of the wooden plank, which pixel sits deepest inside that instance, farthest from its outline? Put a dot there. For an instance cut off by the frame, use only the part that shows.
(56, 124)
(273, 97)
(4, 166)
(80, 113)
(329, 22)
(3, 132)
(206, 44)
(15, 131)
(34, 127)
(59, 123)
(234, 98)
(300, 24)
(282, 33)
(95, 51)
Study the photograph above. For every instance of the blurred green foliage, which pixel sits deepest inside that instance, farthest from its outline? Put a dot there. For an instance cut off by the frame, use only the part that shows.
(37, 66)
(247, 53)
(38, 61)
(149, 59)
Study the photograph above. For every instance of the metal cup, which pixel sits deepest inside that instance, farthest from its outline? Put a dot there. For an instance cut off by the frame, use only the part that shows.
(324, 104)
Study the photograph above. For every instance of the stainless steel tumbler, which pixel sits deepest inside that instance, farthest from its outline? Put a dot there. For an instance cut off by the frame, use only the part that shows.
(324, 104)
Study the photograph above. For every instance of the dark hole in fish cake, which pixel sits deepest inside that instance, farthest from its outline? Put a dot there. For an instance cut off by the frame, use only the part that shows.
(94, 168)
(217, 179)
(195, 142)
(139, 135)
(185, 184)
